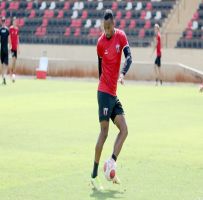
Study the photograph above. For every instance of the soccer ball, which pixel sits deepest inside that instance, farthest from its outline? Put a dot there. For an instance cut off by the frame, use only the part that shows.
(110, 169)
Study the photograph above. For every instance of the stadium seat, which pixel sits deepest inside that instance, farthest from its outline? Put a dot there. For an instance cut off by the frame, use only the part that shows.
(52, 5)
(141, 33)
(84, 14)
(88, 23)
(43, 5)
(97, 23)
(114, 6)
(128, 15)
(139, 6)
(129, 6)
(122, 24)
(60, 14)
(66, 5)
(132, 24)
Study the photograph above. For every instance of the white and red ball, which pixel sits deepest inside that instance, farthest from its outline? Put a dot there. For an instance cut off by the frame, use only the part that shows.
(110, 169)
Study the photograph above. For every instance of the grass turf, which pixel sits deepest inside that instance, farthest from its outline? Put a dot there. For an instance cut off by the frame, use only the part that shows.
(48, 131)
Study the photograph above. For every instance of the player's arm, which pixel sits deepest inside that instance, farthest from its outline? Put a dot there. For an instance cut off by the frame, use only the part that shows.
(18, 44)
(127, 64)
(99, 66)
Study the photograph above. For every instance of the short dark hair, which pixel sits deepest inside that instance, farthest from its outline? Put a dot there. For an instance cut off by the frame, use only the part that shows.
(108, 14)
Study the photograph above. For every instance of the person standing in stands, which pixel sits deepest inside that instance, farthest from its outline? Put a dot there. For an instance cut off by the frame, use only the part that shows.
(157, 47)
(14, 38)
(4, 34)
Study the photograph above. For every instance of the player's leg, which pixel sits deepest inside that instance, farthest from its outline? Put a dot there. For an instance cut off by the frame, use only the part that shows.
(159, 69)
(104, 125)
(13, 65)
(104, 115)
(156, 71)
(4, 61)
(120, 122)
(98, 150)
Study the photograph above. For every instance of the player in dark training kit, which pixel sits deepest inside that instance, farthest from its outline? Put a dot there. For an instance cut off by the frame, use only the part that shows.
(110, 46)
(4, 34)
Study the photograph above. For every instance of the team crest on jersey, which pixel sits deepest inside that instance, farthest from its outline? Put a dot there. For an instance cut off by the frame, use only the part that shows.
(118, 48)
(105, 111)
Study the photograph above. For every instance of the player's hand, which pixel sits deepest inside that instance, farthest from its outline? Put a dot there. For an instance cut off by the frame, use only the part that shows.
(121, 79)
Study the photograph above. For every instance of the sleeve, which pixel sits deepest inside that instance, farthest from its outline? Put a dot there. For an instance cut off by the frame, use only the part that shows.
(99, 49)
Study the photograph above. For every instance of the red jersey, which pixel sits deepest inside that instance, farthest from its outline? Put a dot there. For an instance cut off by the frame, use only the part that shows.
(14, 33)
(110, 50)
(158, 47)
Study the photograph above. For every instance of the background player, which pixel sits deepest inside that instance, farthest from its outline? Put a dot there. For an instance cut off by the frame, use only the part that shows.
(4, 34)
(14, 37)
(109, 49)
(157, 63)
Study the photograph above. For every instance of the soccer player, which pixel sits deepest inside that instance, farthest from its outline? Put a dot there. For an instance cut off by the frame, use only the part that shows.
(4, 34)
(157, 64)
(14, 37)
(109, 49)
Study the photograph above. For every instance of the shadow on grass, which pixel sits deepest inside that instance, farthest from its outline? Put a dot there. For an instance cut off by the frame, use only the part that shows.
(106, 194)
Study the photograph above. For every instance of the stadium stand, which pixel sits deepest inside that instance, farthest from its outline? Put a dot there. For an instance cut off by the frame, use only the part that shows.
(192, 36)
(79, 22)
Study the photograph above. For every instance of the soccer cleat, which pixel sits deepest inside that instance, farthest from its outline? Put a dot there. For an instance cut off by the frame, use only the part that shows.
(116, 180)
(96, 184)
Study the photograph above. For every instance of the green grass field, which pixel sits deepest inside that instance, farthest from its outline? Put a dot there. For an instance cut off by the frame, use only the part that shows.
(48, 131)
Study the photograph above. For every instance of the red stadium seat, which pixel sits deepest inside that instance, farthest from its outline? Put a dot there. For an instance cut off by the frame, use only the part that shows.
(149, 6)
(60, 14)
(76, 23)
(195, 16)
(114, 6)
(95, 32)
(84, 14)
(14, 5)
(189, 34)
(147, 24)
(20, 22)
(67, 32)
(77, 32)
(32, 14)
(48, 14)
(128, 15)
(3, 13)
(143, 14)
(66, 5)
(132, 24)
(122, 24)
(189, 26)
(29, 5)
(118, 14)
(141, 33)
(2, 5)
(44, 22)
(41, 31)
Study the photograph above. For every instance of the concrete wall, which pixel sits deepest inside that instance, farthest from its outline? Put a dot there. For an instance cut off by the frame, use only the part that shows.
(82, 61)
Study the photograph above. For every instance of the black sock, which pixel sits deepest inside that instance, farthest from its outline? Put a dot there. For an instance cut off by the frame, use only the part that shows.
(95, 170)
(114, 157)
